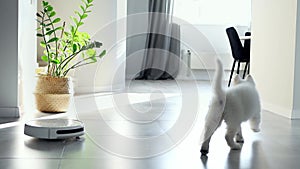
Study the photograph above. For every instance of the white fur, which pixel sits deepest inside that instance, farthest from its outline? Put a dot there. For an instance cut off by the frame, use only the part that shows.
(234, 105)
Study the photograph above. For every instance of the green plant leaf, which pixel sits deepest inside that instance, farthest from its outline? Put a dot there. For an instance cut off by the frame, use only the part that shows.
(46, 25)
(55, 61)
(74, 48)
(80, 23)
(98, 44)
(90, 1)
(91, 52)
(82, 8)
(49, 8)
(83, 16)
(86, 4)
(38, 15)
(52, 14)
(94, 59)
(40, 22)
(59, 28)
(43, 44)
(77, 13)
(74, 20)
(88, 11)
(45, 3)
(39, 35)
(79, 46)
(56, 20)
(50, 32)
(44, 58)
(72, 30)
(53, 40)
(82, 55)
(102, 53)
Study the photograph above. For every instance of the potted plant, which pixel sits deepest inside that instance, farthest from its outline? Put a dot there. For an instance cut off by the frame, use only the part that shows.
(65, 49)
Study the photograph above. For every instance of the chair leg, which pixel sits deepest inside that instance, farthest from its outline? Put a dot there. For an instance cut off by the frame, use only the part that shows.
(248, 68)
(245, 70)
(238, 69)
(232, 69)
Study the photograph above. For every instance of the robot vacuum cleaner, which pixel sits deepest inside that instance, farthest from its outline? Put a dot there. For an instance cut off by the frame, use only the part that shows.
(54, 128)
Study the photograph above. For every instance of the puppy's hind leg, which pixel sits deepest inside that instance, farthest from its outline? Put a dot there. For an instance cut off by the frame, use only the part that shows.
(239, 136)
(209, 131)
(255, 123)
(230, 134)
(205, 147)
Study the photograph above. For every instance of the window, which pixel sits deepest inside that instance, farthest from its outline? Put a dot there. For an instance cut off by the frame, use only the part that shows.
(214, 12)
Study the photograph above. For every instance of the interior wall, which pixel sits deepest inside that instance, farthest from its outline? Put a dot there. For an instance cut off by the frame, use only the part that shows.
(9, 58)
(27, 53)
(215, 44)
(273, 53)
(296, 109)
(109, 73)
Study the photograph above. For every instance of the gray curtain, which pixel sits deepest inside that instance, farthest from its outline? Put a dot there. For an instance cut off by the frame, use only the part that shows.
(162, 53)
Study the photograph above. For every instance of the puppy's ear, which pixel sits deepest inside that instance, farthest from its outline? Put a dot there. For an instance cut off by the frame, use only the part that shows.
(236, 79)
(250, 79)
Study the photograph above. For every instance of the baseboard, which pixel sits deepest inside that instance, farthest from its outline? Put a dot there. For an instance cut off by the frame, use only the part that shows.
(196, 74)
(279, 110)
(9, 112)
(98, 89)
(292, 114)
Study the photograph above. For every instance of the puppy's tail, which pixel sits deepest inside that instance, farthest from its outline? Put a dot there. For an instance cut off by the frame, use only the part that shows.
(218, 79)
(215, 112)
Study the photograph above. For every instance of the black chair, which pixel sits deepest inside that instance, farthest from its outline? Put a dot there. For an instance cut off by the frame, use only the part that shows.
(240, 54)
(247, 43)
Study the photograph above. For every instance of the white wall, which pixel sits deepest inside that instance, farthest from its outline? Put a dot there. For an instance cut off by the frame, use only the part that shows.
(214, 43)
(109, 73)
(296, 109)
(9, 58)
(27, 53)
(211, 40)
(273, 53)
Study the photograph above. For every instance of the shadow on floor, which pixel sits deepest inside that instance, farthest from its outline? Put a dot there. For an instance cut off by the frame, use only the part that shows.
(8, 120)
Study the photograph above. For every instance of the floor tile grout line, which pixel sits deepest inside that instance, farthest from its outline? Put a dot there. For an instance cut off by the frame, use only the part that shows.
(62, 153)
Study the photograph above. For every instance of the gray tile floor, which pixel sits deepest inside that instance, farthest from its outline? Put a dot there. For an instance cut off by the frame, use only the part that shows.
(151, 125)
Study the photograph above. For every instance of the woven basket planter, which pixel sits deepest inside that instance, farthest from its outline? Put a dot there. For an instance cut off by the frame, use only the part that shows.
(53, 94)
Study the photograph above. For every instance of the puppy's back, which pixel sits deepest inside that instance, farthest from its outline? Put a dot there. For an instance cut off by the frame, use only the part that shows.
(242, 101)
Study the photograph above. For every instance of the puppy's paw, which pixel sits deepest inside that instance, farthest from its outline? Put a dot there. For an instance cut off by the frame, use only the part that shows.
(204, 152)
(236, 147)
(239, 139)
(256, 129)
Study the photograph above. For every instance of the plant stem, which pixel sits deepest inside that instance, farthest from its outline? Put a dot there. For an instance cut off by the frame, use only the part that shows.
(73, 67)
(52, 25)
(58, 71)
(81, 61)
(80, 19)
(69, 58)
(48, 53)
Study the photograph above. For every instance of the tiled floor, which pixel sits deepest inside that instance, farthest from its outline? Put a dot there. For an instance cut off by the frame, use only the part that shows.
(153, 125)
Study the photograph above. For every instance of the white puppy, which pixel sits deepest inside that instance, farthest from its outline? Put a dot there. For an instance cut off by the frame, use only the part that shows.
(234, 105)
